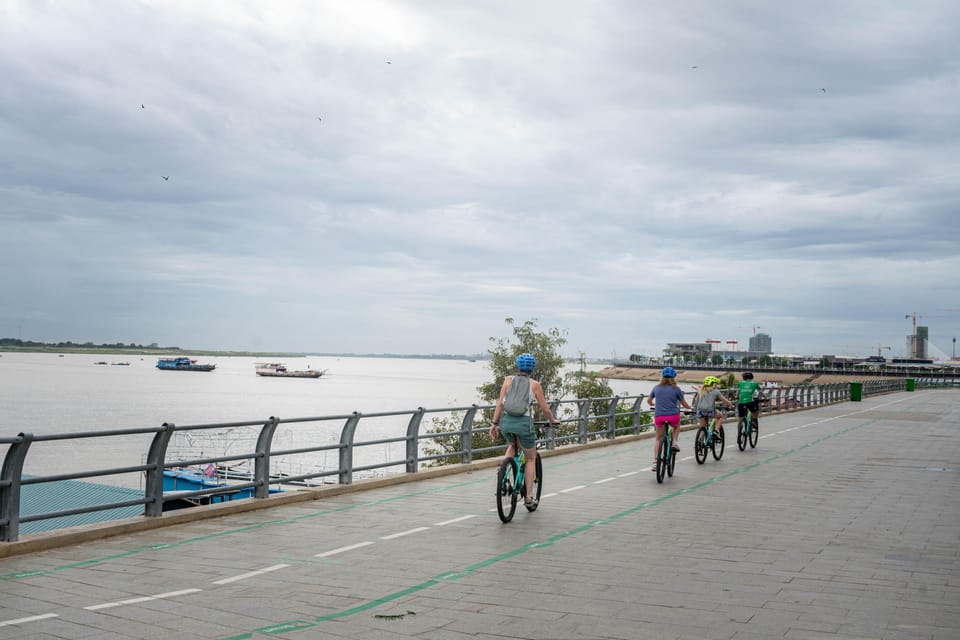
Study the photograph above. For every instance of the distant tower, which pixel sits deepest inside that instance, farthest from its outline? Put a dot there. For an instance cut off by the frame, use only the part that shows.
(917, 343)
(761, 343)
(922, 334)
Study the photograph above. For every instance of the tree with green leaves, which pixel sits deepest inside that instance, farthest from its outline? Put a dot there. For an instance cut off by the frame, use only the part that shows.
(544, 347)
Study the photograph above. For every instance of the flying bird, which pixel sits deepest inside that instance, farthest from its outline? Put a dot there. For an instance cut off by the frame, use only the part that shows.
(388, 62)
(824, 90)
(694, 67)
(142, 107)
(165, 177)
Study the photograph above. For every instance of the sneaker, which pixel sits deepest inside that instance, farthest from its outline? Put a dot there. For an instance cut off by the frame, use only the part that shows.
(675, 446)
(654, 467)
(530, 502)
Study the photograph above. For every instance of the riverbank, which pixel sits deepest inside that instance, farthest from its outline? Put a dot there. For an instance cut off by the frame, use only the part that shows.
(697, 376)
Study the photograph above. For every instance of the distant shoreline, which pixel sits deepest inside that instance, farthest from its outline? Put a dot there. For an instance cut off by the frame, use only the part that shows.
(697, 376)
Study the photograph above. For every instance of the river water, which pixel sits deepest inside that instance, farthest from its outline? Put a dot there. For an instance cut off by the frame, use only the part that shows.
(46, 393)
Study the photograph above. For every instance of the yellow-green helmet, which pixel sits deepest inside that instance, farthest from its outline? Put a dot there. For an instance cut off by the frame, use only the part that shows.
(710, 380)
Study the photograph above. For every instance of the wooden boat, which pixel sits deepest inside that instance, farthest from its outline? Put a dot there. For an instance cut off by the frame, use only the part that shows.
(279, 370)
(183, 364)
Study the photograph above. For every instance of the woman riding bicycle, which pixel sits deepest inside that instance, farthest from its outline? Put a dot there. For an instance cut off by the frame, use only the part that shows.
(707, 404)
(669, 399)
(521, 426)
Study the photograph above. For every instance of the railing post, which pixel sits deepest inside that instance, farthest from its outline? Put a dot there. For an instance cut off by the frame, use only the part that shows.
(584, 405)
(612, 418)
(345, 475)
(637, 407)
(551, 438)
(261, 463)
(156, 457)
(413, 444)
(10, 476)
(466, 436)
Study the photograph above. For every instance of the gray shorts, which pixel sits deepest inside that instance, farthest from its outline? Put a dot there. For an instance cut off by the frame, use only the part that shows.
(521, 426)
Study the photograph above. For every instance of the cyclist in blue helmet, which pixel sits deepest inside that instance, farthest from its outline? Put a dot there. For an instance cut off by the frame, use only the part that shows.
(522, 426)
(668, 398)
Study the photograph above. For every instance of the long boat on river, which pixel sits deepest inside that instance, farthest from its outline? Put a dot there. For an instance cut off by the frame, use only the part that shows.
(279, 370)
(183, 364)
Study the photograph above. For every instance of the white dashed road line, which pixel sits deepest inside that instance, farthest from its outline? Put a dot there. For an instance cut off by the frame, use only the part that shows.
(45, 616)
(460, 519)
(579, 486)
(349, 547)
(404, 533)
(244, 576)
(120, 603)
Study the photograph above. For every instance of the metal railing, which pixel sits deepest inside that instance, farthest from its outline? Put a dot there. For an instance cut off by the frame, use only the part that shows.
(581, 420)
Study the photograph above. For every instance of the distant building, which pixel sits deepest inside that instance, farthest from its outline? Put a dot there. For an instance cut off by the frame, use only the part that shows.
(917, 344)
(761, 344)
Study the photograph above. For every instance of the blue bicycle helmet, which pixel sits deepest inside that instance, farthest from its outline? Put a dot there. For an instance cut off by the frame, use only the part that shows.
(669, 372)
(526, 362)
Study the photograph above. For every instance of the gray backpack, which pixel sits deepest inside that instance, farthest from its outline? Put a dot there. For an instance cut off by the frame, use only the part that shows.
(517, 400)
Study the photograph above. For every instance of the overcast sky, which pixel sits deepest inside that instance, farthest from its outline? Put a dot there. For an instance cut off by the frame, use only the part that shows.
(369, 177)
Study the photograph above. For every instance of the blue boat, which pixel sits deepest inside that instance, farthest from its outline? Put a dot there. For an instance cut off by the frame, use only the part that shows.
(185, 480)
(183, 364)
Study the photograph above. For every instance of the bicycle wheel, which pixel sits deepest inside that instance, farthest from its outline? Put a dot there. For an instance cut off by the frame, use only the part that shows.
(742, 434)
(700, 445)
(506, 490)
(718, 443)
(754, 434)
(671, 461)
(662, 459)
(537, 484)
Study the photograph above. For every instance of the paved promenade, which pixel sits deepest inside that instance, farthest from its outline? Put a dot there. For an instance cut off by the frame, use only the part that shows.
(843, 523)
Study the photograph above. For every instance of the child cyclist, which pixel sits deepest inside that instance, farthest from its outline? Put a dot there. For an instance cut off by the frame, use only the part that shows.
(748, 397)
(669, 399)
(707, 405)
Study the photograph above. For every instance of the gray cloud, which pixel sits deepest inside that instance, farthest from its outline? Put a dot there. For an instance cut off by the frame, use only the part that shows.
(399, 176)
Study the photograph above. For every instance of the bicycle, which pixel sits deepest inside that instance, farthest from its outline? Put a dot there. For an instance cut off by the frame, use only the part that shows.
(511, 484)
(709, 437)
(747, 431)
(666, 454)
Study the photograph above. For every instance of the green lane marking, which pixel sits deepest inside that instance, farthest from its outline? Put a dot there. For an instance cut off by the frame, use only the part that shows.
(466, 571)
(379, 601)
(283, 627)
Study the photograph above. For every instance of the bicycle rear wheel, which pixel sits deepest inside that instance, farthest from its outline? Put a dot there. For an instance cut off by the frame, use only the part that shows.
(718, 443)
(537, 485)
(742, 433)
(671, 461)
(754, 434)
(662, 459)
(700, 445)
(506, 490)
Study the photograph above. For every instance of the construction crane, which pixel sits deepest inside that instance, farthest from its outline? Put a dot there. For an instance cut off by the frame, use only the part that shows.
(915, 316)
(880, 349)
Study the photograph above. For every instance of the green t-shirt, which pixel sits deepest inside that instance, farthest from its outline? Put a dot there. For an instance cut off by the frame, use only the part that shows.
(747, 389)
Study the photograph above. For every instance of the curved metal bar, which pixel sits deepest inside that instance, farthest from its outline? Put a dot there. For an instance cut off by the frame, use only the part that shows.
(413, 442)
(261, 463)
(346, 448)
(10, 473)
(153, 491)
